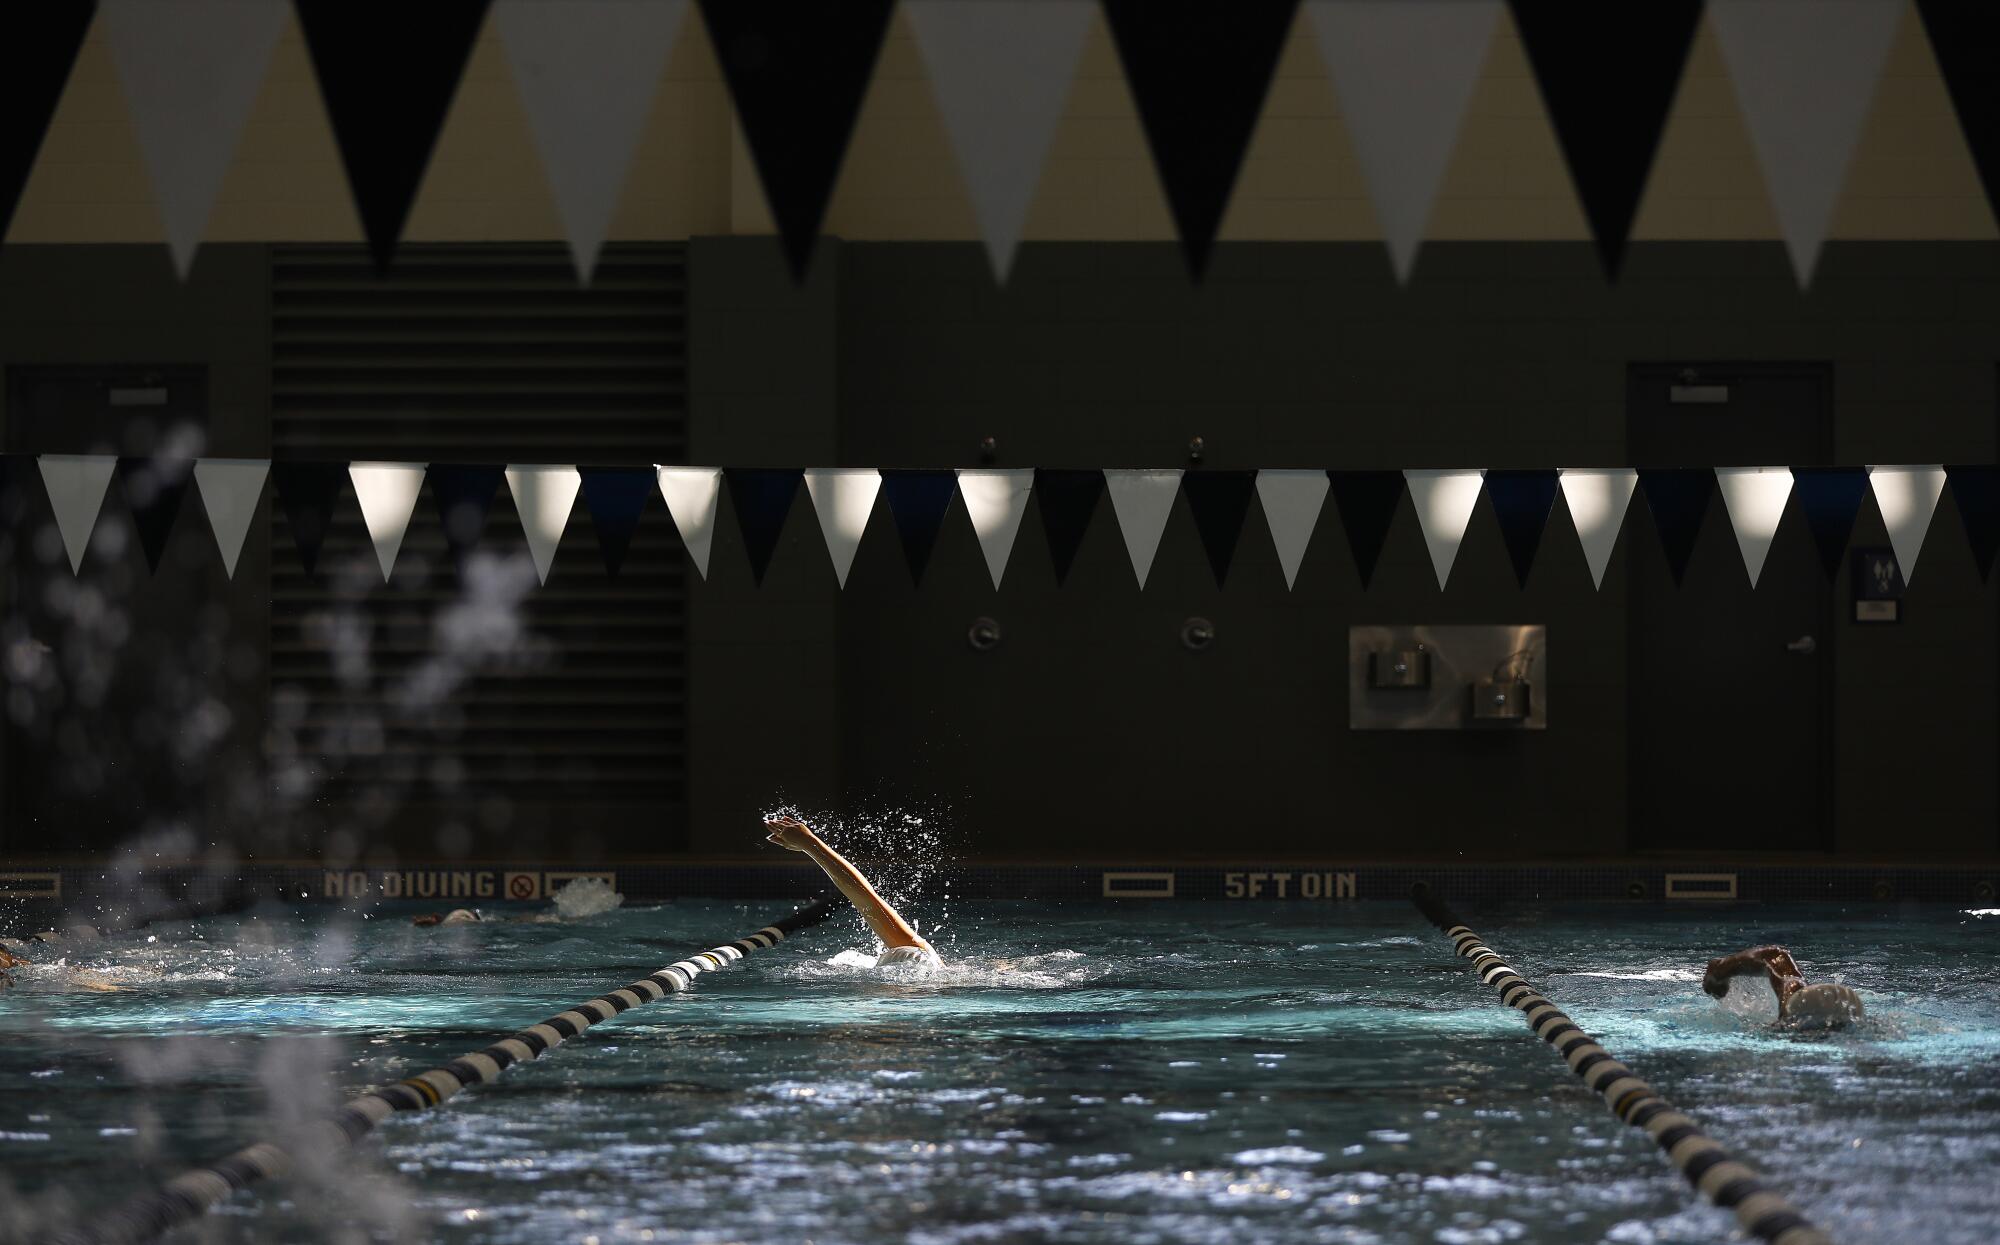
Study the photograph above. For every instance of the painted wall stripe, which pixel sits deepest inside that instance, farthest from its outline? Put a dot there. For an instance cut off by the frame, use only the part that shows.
(1702, 1161)
(191, 1194)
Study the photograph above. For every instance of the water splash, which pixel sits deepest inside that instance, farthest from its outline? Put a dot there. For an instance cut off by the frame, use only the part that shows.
(585, 897)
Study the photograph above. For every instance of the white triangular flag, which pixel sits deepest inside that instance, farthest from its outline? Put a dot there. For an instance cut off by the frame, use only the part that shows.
(76, 484)
(1143, 501)
(387, 493)
(844, 498)
(1805, 74)
(1907, 497)
(995, 499)
(1292, 502)
(1444, 501)
(1755, 498)
(1597, 498)
(587, 71)
(230, 488)
(192, 70)
(1002, 71)
(1404, 71)
(544, 497)
(691, 494)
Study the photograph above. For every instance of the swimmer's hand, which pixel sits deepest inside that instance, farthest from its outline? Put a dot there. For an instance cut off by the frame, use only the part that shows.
(789, 832)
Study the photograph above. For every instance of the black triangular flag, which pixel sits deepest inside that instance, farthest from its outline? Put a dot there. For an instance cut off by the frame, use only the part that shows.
(1965, 35)
(306, 492)
(918, 501)
(1608, 74)
(153, 489)
(1367, 502)
(1219, 501)
(1066, 499)
(797, 73)
(1199, 73)
(1678, 498)
(388, 74)
(1977, 492)
(1521, 502)
(761, 500)
(616, 497)
(38, 45)
(1830, 497)
(464, 496)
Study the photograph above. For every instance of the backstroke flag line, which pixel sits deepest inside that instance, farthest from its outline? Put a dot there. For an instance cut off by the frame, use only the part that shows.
(230, 489)
(844, 497)
(1444, 501)
(691, 494)
(995, 500)
(1755, 498)
(76, 485)
(544, 497)
(1907, 496)
(1143, 500)
(388, 494)
(1292, 501)
(1597, 499)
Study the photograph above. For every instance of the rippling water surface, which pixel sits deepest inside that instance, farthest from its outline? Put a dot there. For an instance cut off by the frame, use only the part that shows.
(1190, 1072)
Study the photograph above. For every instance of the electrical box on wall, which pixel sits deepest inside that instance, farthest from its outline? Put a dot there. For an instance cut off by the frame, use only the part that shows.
(1447, 678)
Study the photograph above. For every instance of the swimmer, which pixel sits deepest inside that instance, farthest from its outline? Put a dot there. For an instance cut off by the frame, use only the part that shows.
(1822, 1006)
(904, 945)
(457, 916)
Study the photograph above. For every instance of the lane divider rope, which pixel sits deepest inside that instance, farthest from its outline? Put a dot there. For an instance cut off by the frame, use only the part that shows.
(1708, 1167)
(192, 1194)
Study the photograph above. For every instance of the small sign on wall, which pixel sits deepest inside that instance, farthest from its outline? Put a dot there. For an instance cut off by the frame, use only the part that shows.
(1878, 586)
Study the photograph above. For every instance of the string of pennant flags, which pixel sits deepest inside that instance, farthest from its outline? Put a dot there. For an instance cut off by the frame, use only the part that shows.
(587, 71)
(995, 500)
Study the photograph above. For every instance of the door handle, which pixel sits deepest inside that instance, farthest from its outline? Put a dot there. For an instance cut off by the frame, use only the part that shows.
(1805, 646)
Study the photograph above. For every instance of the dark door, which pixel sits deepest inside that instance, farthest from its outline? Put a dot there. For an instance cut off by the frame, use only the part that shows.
(1730, 687)
(111, 672)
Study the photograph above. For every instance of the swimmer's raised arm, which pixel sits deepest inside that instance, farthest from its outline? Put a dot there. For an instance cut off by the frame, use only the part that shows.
(888, 924)
(1775, 964)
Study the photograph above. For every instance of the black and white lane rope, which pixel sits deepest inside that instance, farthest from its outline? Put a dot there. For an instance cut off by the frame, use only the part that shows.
(191, 1194)
(1708, 1167)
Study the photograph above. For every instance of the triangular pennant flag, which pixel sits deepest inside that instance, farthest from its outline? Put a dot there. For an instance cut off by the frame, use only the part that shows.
(1404, 71)
(918, 502)
(38, 45)
(1678, 498)
(230, 489)
(1367, 502)
(543, 497)
(1908, 497)
(388, 74)
(306, 493)
(76, 485)
(1597, 499)
(1001, 70)
(691, 494)
(1444, 502)
(1199, 73)
(1219, 501)
(153, 489)
(995, 500)
(1830, 497)
(797, 73)
(1142, 500)
(1965, 35)
(192, 70)
(616, 498)
(1608, 74)
(843, 497)
(1292, 501)
(761, 500)
(1805, 74)
(1066, 499)
(1977, 492)
(464, 496)
(587, 71)
(1521, 503)
(1755, 498)
(388, 496)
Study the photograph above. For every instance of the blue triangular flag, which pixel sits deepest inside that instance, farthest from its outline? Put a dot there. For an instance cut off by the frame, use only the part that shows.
(1219, 501)
(1678, 498)
(761, 500)
(1367, 501)
(1830, 497)
(153, 489)
(1522, 501)
(1977, 492)
(306, 493)
(1066, 500)
(616, 497)
(464, 496)
(918, 502)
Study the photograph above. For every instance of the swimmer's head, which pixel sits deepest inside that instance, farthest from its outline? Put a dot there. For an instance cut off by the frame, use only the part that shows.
(1823, 1006)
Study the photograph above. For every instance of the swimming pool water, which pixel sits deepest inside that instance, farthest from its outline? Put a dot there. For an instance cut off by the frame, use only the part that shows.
(1175, 1072)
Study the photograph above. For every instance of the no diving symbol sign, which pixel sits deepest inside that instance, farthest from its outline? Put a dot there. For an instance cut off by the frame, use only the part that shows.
(524, 886)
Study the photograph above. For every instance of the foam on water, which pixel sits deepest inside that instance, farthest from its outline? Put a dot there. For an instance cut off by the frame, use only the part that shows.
(586, 897)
